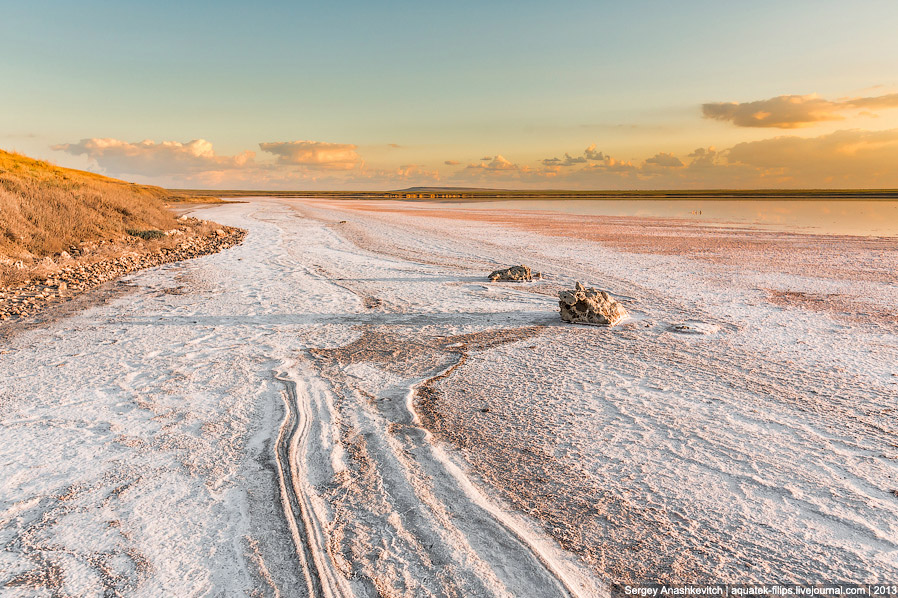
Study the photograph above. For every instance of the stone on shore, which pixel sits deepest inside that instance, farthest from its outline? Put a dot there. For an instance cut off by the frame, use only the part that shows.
(590, 306)
(32, 296)
(514, 274)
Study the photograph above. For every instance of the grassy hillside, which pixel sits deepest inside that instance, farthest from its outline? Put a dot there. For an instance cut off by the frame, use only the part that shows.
(45, 209)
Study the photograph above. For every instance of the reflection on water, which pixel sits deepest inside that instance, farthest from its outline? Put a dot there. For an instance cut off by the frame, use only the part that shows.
(825, 216)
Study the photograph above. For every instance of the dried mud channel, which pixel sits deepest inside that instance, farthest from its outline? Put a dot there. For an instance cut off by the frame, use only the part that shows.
(401, 519)
(321, 578)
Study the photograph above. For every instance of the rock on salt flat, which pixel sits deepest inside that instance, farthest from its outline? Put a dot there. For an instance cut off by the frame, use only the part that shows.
(590, 306)
(520, 273)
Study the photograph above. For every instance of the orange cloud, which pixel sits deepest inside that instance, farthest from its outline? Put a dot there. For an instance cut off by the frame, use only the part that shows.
(451, 162)
(601, 162)
(663, 160)
(402, 176)
(314, 154)
(416, 171)
(848, 158)
(704, 157)
(149, 158)
(589, 154)
(497, 163)
(793, 111)
(568, 161)
(844, 158)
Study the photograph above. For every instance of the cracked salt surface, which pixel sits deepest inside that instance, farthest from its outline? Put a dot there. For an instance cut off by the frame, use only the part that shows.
(448, 436)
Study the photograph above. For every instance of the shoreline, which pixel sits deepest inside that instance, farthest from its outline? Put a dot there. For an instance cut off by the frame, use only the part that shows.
(833, 257)
(427, 193)
(20, 302)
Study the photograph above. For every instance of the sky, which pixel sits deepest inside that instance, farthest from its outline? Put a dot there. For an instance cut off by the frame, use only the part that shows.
(392, 94)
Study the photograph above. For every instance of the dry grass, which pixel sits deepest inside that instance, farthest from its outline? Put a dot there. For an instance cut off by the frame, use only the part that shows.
(13, 275)
(45, 209)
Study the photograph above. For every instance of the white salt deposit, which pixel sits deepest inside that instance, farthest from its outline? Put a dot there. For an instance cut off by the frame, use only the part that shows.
(251, 422)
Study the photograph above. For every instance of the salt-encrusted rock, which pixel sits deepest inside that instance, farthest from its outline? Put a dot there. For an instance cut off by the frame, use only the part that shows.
(590, 306)
(514, 274)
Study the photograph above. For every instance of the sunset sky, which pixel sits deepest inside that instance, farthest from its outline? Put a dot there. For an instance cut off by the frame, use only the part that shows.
(386, 95)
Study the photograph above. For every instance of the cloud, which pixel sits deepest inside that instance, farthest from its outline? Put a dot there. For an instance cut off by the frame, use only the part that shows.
(663, 160)
(595, 161)
(496, 169)
(316, 155)
(847, 158)
(394, 145)
(149, 158)
(486, 158)
(497, 163)
(609, 164)
(793, 111)
(568, 161)
(298, 164)
(844, 158)
(416, 172)
(404, 175)
(704, 157)
(589, 154)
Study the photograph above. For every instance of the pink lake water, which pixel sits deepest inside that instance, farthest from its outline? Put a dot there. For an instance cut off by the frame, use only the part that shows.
(824, 216)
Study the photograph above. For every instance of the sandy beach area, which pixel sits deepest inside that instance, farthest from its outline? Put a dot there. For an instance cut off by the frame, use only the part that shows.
(342, 405)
